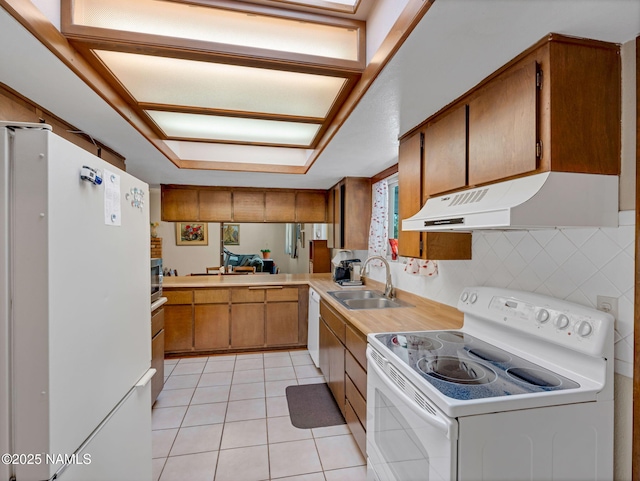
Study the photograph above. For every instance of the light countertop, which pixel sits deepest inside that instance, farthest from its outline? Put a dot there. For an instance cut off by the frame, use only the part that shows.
(425, 315)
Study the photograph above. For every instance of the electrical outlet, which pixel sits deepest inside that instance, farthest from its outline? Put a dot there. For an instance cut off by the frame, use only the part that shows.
(608, 304)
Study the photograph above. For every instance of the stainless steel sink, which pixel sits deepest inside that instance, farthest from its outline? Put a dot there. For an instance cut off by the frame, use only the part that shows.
(356, 294)
(363, 299)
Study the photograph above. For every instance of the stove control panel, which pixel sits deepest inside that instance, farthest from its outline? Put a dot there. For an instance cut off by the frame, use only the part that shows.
(551, 319)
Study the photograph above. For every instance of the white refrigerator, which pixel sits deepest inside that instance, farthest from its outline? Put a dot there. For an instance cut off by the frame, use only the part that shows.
(75, 342)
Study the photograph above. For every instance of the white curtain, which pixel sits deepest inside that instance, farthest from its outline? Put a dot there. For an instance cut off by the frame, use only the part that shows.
(379, 229)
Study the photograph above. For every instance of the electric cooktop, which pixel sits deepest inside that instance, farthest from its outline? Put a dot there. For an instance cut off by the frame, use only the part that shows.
(463, 367)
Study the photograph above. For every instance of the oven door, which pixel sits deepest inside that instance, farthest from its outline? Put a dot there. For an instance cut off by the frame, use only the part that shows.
(408, 438)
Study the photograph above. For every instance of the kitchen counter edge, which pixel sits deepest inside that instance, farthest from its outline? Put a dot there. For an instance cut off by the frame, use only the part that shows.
(425, 315)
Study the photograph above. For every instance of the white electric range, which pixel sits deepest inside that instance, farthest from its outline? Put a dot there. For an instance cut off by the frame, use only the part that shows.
(524, 391)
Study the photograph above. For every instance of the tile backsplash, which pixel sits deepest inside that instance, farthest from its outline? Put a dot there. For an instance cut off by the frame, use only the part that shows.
(573, 264)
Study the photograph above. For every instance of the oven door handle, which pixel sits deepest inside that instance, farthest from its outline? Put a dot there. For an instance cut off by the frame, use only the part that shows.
(437, 420)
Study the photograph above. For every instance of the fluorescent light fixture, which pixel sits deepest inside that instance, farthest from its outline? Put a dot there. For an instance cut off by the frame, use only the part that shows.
(172, 81)
(233, 129)
(210, 24)
(238, 154)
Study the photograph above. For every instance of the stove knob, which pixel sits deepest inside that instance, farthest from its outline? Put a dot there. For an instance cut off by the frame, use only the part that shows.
(542, 316)
(473, 298)
(562, 321)
(584, 329)
(464, 296)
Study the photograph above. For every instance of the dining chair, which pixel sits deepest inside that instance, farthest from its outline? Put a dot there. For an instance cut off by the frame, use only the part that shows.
(250, 269)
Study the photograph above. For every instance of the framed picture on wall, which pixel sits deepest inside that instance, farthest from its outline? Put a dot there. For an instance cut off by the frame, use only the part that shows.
(231, 234)
(191, 234)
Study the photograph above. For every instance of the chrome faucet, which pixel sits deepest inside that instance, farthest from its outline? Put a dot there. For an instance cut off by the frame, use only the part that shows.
(388, 287)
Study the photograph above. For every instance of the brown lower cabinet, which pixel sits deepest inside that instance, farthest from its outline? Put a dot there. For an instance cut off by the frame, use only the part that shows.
(343, 363)
(157, 352)
(210, 320)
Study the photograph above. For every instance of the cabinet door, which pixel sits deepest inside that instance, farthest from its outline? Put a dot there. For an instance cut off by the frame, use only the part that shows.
(445, 153)
(178, 326)
(248, 206)
(332, 364)
(311, 207)
(215, 206)
(211, 324)
(247, 325)
(280, 206)
(324, 348)
(338, 213)
(409, 192)
(282, 323)
(336, 371)
(356, 213)
(331, 212)
(502, 127)
(179, 205)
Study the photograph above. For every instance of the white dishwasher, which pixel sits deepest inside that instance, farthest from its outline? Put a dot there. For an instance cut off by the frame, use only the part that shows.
(314, 326)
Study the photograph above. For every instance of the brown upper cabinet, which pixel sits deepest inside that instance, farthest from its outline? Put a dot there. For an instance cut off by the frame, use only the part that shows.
(225, 204)
(502, 126)
(554, 107)
(445, 153)
(248, 206)
(425, 245)
(351, 202)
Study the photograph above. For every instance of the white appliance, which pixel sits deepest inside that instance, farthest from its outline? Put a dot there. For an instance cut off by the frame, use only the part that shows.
(75, 347)
(549, 199)
(524, 391)
(313, 336)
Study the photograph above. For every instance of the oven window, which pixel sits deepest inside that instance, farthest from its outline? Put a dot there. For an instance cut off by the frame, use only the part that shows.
(400, 447)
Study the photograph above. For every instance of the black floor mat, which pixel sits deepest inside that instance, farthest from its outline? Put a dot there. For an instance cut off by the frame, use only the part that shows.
(313, 406)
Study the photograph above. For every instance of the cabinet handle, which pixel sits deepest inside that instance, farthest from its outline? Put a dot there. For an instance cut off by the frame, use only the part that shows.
(265, 287)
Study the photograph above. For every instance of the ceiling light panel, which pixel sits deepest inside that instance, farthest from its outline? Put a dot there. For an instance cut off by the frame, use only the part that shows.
(171, 81)
(234, 129)
(218, 25)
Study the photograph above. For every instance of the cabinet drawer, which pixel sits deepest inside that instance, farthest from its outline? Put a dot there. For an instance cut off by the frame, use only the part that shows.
(282, 294)
(356, 373)
(211, 296)
(334, 322)
(178, 297)
(247, 295)
(157, 321)
(359, 433)
(357, 402)
(357, 344)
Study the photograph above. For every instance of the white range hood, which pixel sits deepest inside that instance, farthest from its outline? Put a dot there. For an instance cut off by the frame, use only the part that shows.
(540, 201)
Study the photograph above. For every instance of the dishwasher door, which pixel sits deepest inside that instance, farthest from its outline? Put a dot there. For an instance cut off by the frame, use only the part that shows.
(314, 326)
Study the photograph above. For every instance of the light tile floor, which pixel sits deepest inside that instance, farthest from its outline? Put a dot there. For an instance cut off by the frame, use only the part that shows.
(226, 418)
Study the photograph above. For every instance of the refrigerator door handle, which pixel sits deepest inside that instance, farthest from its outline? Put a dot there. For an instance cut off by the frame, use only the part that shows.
(144, 380)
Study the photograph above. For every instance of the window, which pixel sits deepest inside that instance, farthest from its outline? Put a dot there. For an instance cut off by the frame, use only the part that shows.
(393, 217)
